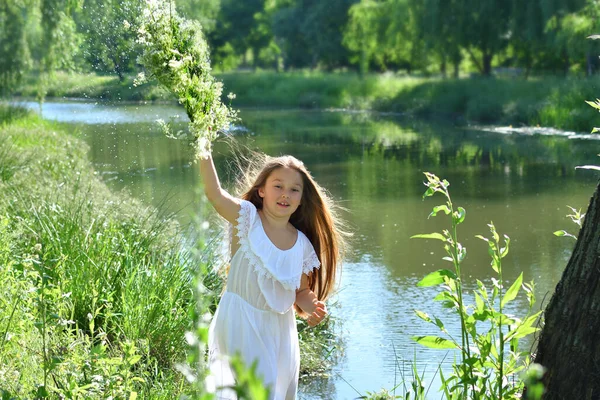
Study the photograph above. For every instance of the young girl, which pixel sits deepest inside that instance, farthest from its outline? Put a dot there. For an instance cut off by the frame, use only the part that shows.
(285, 252)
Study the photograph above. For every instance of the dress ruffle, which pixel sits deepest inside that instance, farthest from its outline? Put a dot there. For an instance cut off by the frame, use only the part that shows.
(267, 260)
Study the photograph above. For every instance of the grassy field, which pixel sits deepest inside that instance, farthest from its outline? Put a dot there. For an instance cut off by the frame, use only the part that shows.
(545, 101)
(97, 289)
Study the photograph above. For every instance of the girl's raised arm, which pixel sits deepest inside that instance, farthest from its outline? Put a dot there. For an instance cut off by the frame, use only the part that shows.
(225, 204)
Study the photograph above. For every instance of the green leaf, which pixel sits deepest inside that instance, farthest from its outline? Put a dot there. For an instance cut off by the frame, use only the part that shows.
(434, 235)
(479, 302)
(440, 324)
(560, 233)
(439, 208)
(423, 316)
(595, 130)
(511, 293)
(594, 104)
(459, 216)
(436, 278)
(435, 342)
(429, 192)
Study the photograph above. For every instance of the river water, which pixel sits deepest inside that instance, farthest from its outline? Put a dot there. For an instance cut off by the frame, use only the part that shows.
(373, 166)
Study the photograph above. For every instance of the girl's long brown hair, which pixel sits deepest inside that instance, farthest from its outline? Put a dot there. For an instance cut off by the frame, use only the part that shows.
(316, 217)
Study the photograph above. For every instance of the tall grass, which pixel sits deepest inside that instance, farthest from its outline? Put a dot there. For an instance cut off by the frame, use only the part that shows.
(96, 288)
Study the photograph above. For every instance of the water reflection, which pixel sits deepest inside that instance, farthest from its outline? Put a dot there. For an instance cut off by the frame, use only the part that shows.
(373, 165)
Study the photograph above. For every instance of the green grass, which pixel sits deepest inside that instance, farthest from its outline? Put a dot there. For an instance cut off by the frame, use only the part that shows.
(92, 86)
(96, 289)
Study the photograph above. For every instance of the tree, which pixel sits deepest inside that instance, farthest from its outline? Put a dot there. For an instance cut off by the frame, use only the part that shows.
(485, 30)
(14, 53)
(311, 32)
(110, 34)
(568, 345)
(439, 24)
(363, 33)
(204, 11)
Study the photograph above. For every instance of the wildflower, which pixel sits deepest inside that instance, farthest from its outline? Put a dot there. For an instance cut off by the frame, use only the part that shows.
(231, 96)
(175, 64)
(126, 24)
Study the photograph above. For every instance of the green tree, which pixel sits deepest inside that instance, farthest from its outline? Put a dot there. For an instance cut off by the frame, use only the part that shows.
(364, 33)
(485, 30)
(110, 34)
(573, 28)
(439, 24)
(311, 32)
(14, 52)
(204, 11)
(553, 12)
(236, 28)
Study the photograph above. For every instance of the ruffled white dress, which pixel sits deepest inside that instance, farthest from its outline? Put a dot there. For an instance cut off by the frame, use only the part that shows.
(255, 317)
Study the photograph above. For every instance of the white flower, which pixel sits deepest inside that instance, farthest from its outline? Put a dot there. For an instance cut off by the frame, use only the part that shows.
(231, 96)
(175, 64)
(191, 339)
(139, 79)
(126, 24)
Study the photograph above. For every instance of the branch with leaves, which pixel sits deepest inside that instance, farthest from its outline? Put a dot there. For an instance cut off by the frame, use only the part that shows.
(176, 54)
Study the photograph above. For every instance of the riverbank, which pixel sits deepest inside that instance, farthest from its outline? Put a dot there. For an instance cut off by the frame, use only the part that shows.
(97, 290)
(544, 101)
(96, 293)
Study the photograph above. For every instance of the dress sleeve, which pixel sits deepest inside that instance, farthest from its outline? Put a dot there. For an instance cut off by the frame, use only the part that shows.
(311, 261)
(245, 219)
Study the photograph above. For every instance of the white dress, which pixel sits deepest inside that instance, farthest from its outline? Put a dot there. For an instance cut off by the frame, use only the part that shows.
(255, 317)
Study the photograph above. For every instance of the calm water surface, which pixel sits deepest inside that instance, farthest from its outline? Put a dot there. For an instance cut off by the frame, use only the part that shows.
(373, 166)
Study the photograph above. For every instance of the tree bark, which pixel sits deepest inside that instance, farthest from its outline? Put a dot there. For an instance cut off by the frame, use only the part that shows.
(569, 345)
(487, 63)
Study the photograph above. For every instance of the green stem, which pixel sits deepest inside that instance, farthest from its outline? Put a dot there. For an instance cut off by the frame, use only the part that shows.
(43, 310)
(12, 313)
(466, 352)
(501, 334)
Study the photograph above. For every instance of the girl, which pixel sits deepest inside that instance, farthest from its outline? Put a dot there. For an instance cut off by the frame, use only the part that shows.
(285, 251)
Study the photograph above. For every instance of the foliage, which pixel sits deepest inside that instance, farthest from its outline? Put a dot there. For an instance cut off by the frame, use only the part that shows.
(14, 54)
(577, 218)
(109, 28)
(490, 360)
(176, 55)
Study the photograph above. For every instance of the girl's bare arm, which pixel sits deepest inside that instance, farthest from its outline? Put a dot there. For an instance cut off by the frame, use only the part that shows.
(225, 204)
(308, 302)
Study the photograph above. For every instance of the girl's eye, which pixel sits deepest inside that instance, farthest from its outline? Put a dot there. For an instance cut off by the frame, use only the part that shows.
(295, 190)
(278, 186)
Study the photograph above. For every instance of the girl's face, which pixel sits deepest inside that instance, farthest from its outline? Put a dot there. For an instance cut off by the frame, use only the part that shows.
(282, 192)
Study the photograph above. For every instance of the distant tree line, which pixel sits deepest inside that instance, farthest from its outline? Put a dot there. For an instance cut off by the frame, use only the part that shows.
(424, 36)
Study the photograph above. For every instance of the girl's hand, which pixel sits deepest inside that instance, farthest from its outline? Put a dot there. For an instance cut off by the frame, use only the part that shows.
(318, 315)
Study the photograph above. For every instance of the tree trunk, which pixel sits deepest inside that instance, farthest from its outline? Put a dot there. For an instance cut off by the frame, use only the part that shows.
(569, 347)
(443, 65)
(487, 63)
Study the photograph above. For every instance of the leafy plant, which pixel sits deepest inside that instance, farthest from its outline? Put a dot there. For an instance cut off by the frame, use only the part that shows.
(176, 54)
(577, 218)
(490, 360)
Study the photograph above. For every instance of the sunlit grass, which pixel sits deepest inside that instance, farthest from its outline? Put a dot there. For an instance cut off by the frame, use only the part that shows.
(93, 86)
(89, 276)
